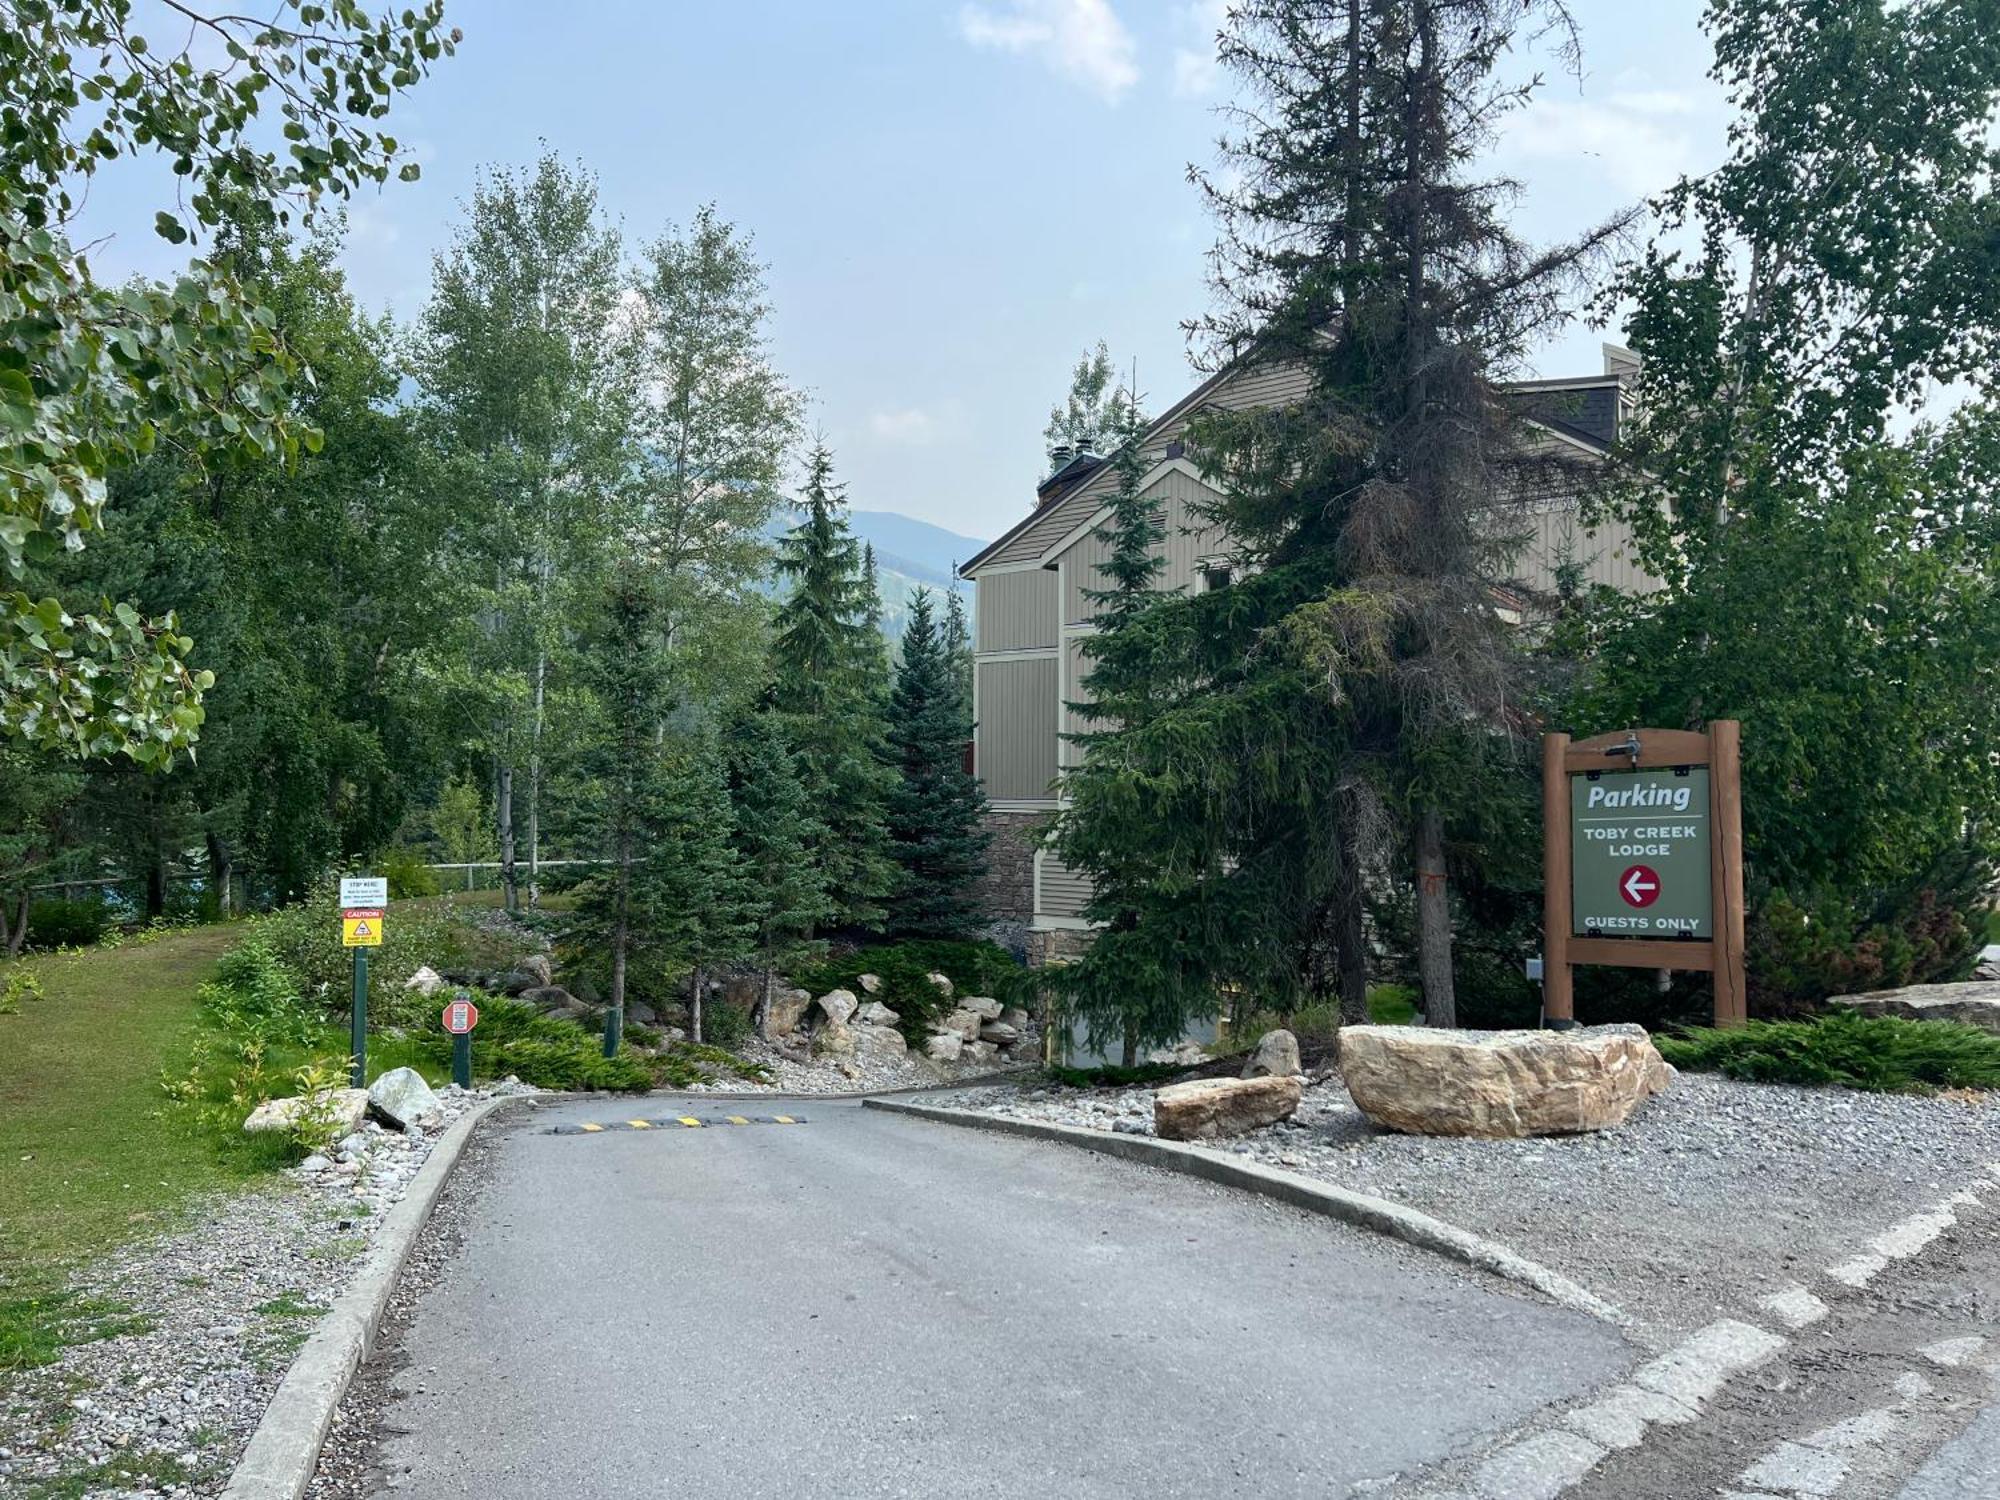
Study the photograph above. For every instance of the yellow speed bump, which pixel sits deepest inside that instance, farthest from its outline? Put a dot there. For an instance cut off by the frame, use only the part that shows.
(738, 1120)
(783, 1119)
(593, 1129)
(691, 1122)
(640, 1124)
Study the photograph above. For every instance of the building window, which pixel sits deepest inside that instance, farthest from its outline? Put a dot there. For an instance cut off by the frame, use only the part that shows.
(1216, 575)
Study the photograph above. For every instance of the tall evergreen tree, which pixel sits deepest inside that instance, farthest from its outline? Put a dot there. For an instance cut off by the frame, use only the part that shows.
(624, 667)
(958, 647)
(692, 896)
(934, 809)
(826, 673)
(1323, 696)
(777, 836)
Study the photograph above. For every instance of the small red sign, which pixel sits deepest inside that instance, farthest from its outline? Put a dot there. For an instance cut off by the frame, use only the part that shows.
(1640, 885)
(460, 1017)
(362, 913)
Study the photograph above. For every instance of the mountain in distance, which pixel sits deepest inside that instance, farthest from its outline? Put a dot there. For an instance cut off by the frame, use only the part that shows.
(909, 554)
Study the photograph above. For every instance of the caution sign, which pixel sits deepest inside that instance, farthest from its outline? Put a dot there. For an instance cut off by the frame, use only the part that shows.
(361, 927)
(1640, 866)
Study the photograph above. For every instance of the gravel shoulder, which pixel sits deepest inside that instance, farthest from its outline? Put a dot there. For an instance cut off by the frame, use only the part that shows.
(1713, 1194)
(210, 1318)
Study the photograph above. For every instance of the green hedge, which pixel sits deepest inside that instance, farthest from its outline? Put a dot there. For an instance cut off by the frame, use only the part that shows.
(1844, 1050)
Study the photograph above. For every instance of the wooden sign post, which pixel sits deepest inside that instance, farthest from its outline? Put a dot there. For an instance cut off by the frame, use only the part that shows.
(1642, 859)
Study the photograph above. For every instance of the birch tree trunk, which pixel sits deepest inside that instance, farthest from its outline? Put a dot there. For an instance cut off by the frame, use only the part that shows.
(535, 781)
(503, 817)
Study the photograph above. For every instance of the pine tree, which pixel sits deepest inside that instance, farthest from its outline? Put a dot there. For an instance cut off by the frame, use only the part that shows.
(827, 670)
(692, 895)
(777, 835)
(624, 668)
(958, 648)
(935, 807)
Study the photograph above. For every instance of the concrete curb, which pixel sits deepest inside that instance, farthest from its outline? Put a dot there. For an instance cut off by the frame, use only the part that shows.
(279, 1460)
(1361, 1209)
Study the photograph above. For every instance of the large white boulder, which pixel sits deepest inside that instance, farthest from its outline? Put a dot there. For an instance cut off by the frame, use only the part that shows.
(426, 981)
(875, 1013)
(965, 1022)
(944, 1046)
(942, 983)
(983, 1006)
(788, 1008)
(339, 1110)
(871, 984)
(1209, 1108)
(401, 1097)
(1500, 1083)
(839, 1005)
(1277, 1056)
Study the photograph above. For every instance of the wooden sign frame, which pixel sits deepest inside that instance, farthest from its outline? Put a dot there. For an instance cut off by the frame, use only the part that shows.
(1719, 748)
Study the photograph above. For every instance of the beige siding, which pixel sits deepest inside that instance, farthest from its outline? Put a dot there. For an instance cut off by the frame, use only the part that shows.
(1188, 539)
(1261, 385)
(1015, 741)
(1016, 611)
(1062, 892)
(1557, 533)
(1076, 667)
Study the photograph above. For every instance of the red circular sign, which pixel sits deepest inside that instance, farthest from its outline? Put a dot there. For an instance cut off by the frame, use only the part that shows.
(460, 1017)
(1640, 885)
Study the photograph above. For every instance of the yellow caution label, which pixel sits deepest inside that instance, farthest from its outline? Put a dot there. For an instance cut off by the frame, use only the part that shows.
(361, 929)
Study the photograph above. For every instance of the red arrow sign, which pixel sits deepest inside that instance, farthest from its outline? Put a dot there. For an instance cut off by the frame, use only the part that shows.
(1640, 885)
(460, 1017)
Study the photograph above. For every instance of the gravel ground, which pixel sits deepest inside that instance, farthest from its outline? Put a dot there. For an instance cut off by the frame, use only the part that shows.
(215, 1315)
(862, 1074)
(1713, 1194)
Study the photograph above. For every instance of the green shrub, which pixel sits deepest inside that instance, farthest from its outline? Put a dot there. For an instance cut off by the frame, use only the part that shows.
(408, 876)
(255, 995)
(1112, 1076)
(1879, 1054)
(724, 1024)
(58, 923)
(1801, 952)
(974, 968)
(306, 939)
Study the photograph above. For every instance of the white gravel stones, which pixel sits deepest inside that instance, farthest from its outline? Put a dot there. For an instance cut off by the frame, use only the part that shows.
(1713, 1195)
(217, 1311)
(876, 1067)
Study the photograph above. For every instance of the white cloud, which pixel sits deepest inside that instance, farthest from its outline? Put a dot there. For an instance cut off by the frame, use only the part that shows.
(1196, 70)
(1082, 40)
(1641, 140)
(907, 426)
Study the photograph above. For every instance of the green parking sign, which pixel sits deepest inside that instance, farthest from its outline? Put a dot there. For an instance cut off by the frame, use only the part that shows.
(1640, 860)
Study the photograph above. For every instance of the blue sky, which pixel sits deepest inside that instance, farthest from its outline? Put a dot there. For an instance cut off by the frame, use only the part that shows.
(954, 198)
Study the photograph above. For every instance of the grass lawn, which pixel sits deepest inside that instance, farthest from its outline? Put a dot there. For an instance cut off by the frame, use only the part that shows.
(86, 1158)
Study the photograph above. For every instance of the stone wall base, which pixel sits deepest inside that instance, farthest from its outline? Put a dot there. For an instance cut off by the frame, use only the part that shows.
(1006, 892)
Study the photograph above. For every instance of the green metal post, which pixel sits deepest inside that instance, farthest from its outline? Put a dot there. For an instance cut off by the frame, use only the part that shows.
(614, 1029)
(358, 1040)
(461, 1059)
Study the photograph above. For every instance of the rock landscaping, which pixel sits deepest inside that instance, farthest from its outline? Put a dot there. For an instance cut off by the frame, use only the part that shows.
(1500, 1083)
(836, 1044)
(1209, 1108)
(210, 1318)
(1711, 1195)
(1975, 1002)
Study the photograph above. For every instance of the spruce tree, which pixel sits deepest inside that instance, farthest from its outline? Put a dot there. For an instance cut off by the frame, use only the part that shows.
(777, 835)
(935, 806)
(958, 647)
(827, 667)
(692, 895)
(623, 666)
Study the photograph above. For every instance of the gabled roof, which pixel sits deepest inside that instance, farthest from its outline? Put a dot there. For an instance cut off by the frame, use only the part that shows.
(1053, 498)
